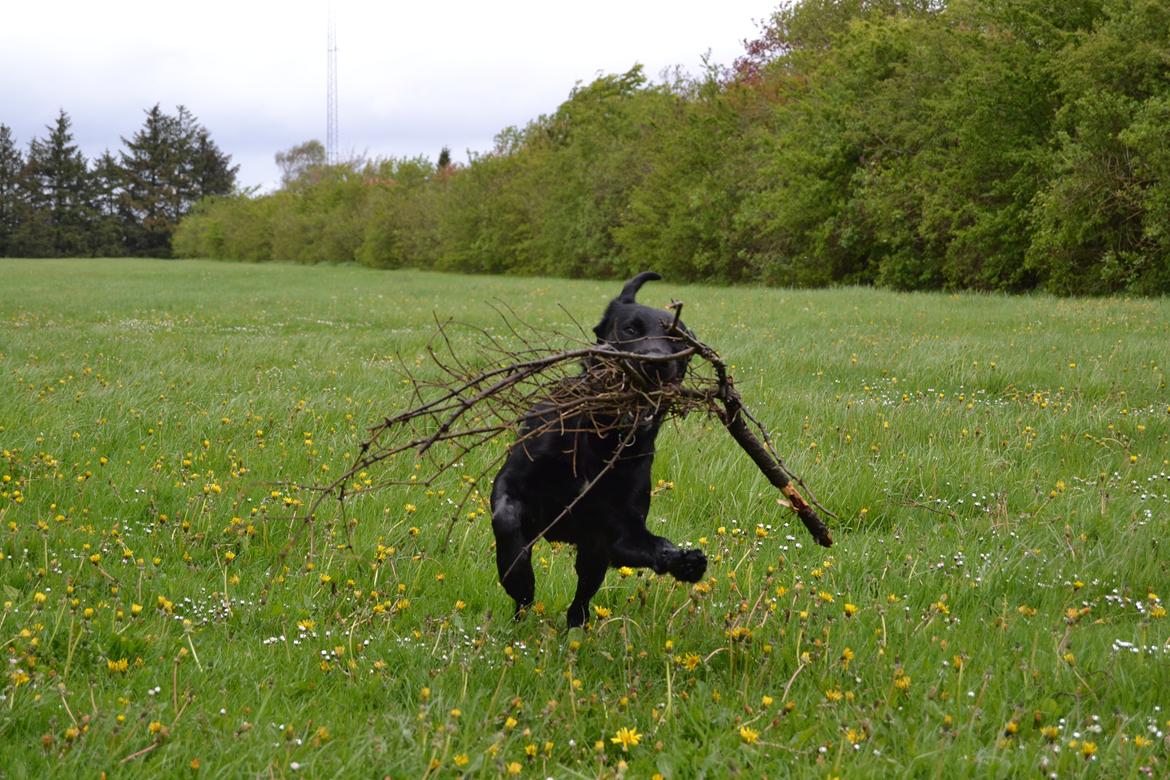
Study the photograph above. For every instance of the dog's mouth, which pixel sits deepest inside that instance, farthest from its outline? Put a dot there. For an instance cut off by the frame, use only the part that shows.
(657, 372)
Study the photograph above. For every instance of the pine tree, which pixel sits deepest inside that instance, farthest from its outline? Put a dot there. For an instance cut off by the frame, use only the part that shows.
(55, 183)
(11, 163)
(149, 167)
(214, 173)
(106, 214)
(167, 166)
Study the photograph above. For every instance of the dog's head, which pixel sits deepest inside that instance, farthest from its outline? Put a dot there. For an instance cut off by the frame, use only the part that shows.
(629, 326)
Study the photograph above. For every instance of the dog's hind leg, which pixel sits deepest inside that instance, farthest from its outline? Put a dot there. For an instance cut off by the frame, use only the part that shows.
(643, 549)
(591, 565)
(513, 554)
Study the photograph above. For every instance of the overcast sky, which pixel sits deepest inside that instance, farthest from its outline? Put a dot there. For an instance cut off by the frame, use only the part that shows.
(412, 77)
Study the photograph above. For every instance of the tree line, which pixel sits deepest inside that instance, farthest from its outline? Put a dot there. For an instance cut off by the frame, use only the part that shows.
(55, 203)
(916, 144)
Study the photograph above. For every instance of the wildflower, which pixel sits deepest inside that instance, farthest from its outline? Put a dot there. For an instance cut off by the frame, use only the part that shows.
(850, 609)
(117, 667)
(626, 737)
(626, 571)
(514, 768)
(1088, 749)
(462, 760)
(510, 723)
(833, 695)
(766, 700)
(1050, 733)
(748, 735)
(601, 612)
(902, 681)
(1011, 729)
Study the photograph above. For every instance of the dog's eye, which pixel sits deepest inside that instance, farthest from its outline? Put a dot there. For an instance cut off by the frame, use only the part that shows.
(630, 329)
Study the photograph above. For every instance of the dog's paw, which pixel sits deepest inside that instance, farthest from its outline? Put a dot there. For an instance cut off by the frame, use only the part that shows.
(689, 566)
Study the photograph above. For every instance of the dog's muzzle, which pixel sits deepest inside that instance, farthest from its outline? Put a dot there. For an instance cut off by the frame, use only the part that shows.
(660, 371)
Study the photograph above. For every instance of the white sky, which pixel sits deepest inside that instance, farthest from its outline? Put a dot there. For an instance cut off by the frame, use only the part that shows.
(412, 77)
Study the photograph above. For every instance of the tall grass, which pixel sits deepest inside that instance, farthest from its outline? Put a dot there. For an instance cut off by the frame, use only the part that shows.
(994, 605)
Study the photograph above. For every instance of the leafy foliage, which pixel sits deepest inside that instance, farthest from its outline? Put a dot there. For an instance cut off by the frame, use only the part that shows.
(912, 144)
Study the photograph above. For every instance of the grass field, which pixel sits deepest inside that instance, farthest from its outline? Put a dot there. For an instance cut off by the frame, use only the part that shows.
(994, 606)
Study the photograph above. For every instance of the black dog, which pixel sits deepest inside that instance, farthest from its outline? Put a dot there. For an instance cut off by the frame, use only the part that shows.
(574, 462)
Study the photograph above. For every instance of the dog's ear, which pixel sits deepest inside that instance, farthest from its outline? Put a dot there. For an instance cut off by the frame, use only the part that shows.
(630, 291)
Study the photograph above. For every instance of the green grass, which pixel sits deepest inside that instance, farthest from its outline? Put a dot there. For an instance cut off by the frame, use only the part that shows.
(999, 466)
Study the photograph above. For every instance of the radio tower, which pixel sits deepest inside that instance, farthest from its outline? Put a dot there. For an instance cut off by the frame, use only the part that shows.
(331, 91)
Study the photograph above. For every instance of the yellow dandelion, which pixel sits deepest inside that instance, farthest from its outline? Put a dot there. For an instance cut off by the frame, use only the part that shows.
(626, 737)
(748, 735)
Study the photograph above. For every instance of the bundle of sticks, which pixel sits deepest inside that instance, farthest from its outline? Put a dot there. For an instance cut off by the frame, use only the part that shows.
(459, 408)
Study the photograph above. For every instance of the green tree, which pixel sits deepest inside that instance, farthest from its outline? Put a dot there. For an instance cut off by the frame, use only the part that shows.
(301, 164)
(11, 196)
(56, 190)
(1101, 223)
(106, 219)
(167, 166)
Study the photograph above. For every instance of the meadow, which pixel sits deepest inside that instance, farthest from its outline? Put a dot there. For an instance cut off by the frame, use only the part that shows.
(994, 606)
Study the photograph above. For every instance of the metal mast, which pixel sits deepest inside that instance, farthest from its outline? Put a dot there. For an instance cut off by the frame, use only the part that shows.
(331, 91)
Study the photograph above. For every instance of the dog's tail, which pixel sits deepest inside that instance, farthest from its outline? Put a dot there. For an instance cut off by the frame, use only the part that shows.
(630, 291)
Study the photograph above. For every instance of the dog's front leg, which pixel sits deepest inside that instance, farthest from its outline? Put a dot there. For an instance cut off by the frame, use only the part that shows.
(513, 554)
(591, 565)
(644, 549)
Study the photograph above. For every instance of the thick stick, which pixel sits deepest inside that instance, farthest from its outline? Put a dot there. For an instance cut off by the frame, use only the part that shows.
(732, 416)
